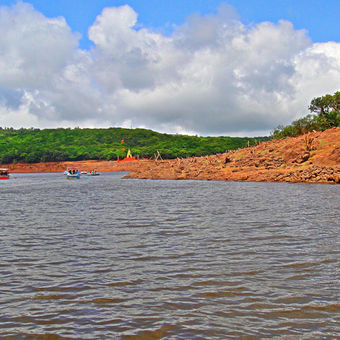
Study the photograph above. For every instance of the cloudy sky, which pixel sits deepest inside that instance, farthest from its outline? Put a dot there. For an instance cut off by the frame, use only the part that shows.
(198, 67)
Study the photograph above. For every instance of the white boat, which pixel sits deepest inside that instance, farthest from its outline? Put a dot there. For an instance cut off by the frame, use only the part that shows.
(93, 173)
(73, 173)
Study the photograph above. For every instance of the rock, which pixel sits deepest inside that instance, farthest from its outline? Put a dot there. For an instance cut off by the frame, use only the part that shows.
(227, 160)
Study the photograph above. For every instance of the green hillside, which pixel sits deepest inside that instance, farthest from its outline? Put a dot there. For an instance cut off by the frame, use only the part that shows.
(50, 145)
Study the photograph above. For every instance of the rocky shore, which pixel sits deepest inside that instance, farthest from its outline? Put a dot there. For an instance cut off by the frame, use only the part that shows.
(311, 158)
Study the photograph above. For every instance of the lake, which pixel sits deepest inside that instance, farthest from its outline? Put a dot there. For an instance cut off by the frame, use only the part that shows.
(111, 258)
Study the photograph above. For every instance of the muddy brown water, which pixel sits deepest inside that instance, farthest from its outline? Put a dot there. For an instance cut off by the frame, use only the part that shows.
(110, 258)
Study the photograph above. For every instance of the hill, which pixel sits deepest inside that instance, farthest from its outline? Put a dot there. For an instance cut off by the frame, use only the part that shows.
(56, 145)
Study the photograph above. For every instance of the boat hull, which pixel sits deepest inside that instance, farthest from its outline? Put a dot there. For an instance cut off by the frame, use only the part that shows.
(76, 176)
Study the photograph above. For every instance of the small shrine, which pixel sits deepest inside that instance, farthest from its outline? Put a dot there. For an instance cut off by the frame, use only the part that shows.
(128, 157)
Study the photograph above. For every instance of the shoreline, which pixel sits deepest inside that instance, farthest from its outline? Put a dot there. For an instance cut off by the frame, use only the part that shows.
(310, 158)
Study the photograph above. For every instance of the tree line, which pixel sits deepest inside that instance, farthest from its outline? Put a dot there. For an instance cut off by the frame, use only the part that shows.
(325, 114)
(65, 144)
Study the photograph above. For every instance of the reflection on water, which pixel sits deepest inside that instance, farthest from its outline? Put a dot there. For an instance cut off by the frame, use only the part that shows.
(103, 257)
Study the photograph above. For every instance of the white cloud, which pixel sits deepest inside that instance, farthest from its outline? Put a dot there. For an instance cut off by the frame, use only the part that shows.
(213, 75)
(317, 72)
(33, 48)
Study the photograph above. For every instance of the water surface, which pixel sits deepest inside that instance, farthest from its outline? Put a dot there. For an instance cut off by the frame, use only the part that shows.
(111, 258)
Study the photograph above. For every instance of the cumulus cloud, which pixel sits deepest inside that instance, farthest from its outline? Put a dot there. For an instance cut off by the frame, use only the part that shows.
(212, 75)
(33, 48)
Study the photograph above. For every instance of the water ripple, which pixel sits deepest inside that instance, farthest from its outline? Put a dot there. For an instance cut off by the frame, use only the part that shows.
(110, 258)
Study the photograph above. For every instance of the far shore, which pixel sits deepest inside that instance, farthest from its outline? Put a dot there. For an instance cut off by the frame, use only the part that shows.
(311, 158)
(88, 165)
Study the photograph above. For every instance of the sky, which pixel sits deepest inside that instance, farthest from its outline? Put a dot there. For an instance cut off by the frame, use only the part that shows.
(238, 68)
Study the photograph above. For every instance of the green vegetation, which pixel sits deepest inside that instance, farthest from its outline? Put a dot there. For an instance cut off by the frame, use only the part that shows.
(53, 145)
(326, 115)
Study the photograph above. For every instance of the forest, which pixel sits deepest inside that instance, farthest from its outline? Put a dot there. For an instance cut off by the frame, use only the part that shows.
(65, 144)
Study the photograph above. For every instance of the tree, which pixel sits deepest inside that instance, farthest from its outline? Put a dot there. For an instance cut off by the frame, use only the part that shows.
(327, 109)
(327, 115)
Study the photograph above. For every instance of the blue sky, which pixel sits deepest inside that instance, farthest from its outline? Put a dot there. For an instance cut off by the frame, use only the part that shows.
(319, 18)
(209, 67)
